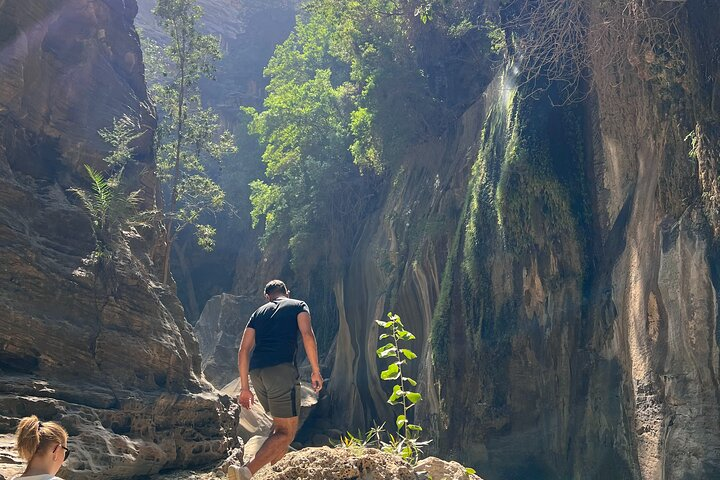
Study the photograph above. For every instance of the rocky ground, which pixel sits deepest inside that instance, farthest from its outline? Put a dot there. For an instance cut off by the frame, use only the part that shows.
(322, 463)
(326, 463)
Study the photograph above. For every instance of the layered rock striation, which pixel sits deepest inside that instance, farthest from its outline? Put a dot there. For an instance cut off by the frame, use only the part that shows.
(99, 345)
(575, 329)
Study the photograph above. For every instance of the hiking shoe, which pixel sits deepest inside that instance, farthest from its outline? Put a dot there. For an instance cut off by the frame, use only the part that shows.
(236, 472)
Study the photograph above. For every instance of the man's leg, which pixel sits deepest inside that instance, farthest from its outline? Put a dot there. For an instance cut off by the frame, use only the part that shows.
(276, 445)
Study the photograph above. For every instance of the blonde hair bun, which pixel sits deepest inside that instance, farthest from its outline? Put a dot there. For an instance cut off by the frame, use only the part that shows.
(33, 436)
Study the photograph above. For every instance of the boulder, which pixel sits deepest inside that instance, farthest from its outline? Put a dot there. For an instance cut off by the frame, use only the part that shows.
(235, 458)
(255, 421)
(436, 469)
(252, 446)
(327, 463)
(10, 463)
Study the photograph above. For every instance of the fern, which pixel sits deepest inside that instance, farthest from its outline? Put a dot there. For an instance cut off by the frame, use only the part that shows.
(103, 197)
(114, 214)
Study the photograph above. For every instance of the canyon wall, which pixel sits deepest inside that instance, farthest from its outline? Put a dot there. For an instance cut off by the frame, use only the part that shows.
(98, 344)
(558, 266)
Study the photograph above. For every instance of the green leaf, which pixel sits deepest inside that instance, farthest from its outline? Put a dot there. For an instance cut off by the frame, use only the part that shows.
(409, 354)
(401, 421)
(388, 353)
(391, 373)
(386, 346)
(470, 471)
(414, 397)
(383, 324)
(396, 395)
(410, 381)
(384, 336)
(387, 350)
(417, 428)
(405, 335)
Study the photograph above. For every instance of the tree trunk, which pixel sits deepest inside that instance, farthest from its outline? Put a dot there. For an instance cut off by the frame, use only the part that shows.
(176, 171)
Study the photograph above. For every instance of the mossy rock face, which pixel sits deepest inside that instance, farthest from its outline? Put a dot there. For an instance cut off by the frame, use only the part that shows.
(525, 205)
(540, 191)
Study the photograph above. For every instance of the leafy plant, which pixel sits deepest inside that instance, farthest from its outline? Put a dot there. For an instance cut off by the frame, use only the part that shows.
(120, 137)
(406, 443)
(694, 141)
(114, 211)
(346, 96)
(111, 210)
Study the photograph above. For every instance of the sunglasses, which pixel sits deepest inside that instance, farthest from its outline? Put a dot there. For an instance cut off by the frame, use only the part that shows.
(67, 451)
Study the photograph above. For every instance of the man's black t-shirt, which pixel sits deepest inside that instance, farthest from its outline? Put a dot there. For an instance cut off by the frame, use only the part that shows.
(276, 331)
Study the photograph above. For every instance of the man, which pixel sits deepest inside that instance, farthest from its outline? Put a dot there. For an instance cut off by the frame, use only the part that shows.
(271, 336)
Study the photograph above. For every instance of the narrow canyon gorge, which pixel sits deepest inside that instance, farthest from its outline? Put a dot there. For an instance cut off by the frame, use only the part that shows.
(554, 250)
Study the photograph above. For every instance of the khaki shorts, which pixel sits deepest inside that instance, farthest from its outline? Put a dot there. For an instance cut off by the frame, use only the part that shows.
(278, 389)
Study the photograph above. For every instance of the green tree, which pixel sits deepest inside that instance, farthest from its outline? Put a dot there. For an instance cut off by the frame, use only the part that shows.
(188, 136)
(343, 82)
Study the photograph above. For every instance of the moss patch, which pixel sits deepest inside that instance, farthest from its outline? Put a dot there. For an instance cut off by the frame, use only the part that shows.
(542, 162)
(526, 198)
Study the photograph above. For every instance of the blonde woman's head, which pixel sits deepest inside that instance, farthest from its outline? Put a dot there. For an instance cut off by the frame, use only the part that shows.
(42, 442)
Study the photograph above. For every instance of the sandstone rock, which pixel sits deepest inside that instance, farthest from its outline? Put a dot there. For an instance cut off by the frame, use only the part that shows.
(440, 469)
(234, 458)
(595, 360)
(10, 463)
(219, 331)
(580, 357)
(335, 464)
(140, 435)
(255, 421)
(101, 347)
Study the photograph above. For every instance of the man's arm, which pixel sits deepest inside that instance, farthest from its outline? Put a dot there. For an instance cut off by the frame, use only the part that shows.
(246, 347)
(310, 344)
